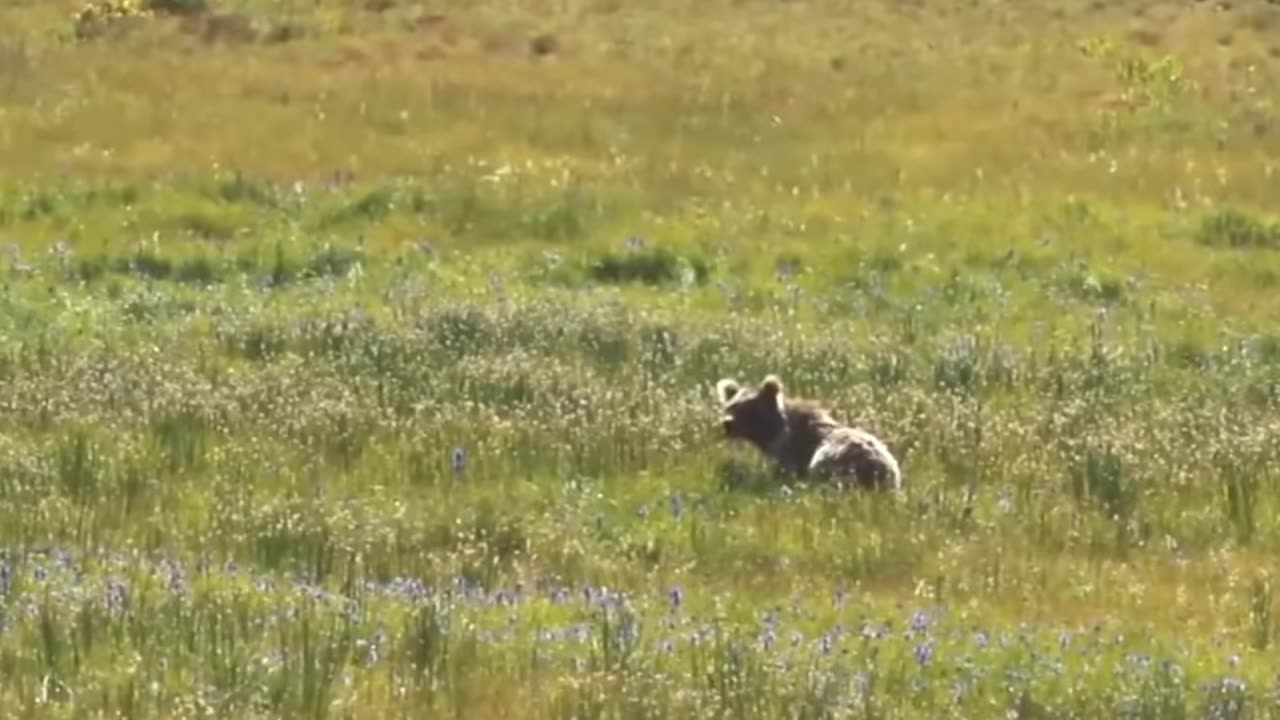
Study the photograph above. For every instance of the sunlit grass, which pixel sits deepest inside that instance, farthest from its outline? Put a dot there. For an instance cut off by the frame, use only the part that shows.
(357, 360)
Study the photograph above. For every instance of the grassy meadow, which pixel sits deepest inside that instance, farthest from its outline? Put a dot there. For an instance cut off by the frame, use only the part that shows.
(357, 358)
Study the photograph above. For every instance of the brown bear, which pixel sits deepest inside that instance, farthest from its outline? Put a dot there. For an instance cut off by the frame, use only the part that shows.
(803, 438)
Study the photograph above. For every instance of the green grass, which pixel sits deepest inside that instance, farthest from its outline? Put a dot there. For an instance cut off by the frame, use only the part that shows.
(357, 360)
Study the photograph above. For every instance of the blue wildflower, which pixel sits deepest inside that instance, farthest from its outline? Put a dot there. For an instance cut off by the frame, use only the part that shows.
(771, 617)
(116, 596)
(177, 578)
(919, 621)
(924, 651)
(677, 506)
(767, 639)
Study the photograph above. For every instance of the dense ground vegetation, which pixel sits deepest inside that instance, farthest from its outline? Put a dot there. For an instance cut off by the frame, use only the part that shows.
(357, 359)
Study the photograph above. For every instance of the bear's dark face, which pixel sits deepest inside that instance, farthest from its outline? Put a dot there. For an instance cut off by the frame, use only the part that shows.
(753, 415)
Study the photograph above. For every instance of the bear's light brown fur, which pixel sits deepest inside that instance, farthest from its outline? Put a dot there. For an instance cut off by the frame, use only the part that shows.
(803, 438)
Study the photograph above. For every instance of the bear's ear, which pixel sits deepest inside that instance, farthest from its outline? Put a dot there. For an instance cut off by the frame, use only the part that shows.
(771, 385)
(726, 389)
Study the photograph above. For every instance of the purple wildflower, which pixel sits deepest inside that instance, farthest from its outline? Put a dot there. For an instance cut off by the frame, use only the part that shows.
(409, 588)
(767, 639)
(177, 577)
(677, 506)
(919, 621)
(924, 651)
(117, 596)
(771, 617)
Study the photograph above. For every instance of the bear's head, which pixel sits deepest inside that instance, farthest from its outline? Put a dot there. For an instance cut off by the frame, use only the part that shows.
(757, 415)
